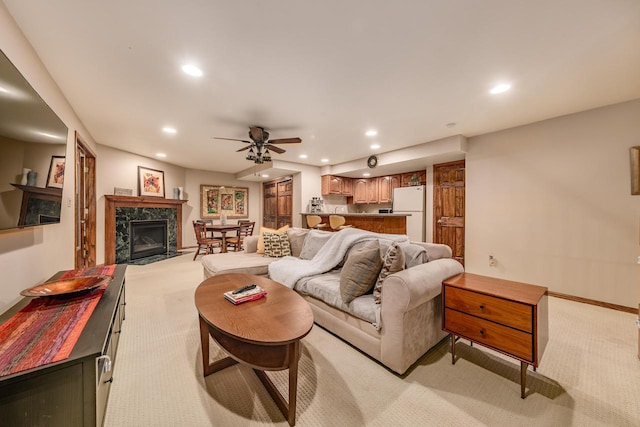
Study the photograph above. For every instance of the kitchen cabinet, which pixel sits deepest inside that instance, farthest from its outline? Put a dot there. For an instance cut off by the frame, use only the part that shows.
(421, 176)
(336, 185)
(386, 184)
(360, 190)
(372, 190)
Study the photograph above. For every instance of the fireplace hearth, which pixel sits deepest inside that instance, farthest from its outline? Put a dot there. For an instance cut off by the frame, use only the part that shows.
(147, 238)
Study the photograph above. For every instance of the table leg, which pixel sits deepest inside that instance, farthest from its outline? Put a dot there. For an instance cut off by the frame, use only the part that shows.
(210, 368)
(224, 242)
(523, 378)
(453, 349)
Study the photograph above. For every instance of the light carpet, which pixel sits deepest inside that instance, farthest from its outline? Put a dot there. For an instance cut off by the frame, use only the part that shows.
(589, 374)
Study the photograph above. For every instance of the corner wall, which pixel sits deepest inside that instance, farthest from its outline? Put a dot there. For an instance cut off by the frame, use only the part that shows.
(551, 202)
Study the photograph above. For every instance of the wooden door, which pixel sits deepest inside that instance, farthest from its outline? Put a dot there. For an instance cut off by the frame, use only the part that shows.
(449, 206)
(278, 202)
(85, 215)
(285, 202)
(270, 204)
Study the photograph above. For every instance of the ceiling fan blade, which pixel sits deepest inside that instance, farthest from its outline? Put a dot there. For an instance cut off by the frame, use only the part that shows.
(274, 148)
(285, 141)
(232, 139)
(245, 148)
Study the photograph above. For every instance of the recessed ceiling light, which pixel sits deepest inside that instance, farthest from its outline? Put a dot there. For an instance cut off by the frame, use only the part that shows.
(161, 155)
(168, 129)
(324, 160)
(192, 70)
(366, 174)
(502, 87)
(371, 132)
(375, 146)
(264, 175)
(303, 156)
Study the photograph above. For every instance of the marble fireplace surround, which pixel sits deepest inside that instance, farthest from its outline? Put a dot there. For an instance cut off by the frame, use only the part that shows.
(119, 209)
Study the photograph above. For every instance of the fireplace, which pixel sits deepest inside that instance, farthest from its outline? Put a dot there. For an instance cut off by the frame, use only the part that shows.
(147, 238)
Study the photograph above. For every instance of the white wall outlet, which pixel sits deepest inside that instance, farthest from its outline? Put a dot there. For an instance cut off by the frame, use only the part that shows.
(69, 202)
(492, 261)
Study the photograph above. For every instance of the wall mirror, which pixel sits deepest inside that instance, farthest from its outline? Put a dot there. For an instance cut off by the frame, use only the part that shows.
(33, 143)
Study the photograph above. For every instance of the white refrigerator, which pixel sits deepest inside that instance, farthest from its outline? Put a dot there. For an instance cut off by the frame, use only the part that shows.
(411, 200)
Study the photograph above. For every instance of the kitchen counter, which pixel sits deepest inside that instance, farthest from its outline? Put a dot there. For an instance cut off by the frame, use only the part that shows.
(389, 223)
(355, 214)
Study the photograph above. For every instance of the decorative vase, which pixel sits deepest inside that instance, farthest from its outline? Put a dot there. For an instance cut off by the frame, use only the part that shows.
(25, 173)
(181, 195)
(176, 193)
(31, 178)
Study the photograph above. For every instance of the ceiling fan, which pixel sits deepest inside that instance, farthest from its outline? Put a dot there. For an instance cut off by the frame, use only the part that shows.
(262, 144)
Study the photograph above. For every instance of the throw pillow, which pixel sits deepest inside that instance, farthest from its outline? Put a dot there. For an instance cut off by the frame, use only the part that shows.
(360, 271)
(263, 230)
(314, 241)
(276, 245)
(392, 262)
(297, 237)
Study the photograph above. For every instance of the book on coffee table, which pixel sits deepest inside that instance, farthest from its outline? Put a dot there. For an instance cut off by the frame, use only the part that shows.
(248, 295)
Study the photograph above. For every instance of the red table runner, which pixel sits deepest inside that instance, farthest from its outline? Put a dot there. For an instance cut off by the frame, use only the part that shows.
(47, 329)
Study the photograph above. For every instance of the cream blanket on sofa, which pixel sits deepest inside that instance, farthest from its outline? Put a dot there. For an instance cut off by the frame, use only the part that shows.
(289, 270)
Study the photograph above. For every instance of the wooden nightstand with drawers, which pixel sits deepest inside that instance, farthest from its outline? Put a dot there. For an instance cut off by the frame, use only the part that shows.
(509, 317)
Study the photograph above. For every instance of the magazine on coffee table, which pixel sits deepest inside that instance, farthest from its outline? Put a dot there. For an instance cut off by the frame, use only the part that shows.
(238, 297)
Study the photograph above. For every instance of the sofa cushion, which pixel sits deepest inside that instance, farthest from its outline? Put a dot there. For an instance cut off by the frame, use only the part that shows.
(236, 262)
(361, 269)
(314, 241)
(297, 237)
(392, 262)
(263, 230)
(276, 245)
(326, 287)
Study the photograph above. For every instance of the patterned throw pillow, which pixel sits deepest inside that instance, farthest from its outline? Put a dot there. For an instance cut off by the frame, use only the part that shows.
(360, 271)
(281, 230)
(392, 262)
(276, 245)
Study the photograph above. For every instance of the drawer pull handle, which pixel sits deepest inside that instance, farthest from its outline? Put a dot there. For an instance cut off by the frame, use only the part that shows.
(110, 380)
(482, 332)
(481, 306)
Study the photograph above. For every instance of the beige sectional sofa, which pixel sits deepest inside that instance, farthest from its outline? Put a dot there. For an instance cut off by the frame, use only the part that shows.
(396, 332)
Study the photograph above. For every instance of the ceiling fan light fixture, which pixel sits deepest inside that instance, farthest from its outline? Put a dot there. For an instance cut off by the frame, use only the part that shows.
(251, 155)
(266, 156)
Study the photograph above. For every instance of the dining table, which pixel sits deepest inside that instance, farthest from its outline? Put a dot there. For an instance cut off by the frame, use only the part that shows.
(223, 229)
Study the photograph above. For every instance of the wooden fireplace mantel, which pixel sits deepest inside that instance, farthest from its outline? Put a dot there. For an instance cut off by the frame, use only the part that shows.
(113, 202)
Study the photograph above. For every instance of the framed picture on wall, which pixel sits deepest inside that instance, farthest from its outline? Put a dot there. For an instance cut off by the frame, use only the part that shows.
(150, 182)
(216, 200)
(56, 172)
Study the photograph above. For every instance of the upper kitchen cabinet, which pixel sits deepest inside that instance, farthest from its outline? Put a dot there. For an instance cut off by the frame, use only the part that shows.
(360, 190)
(336, 185)
(386, 184)
(418, 176)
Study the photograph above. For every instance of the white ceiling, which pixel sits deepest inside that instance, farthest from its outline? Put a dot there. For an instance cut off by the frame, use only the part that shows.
(327, 71)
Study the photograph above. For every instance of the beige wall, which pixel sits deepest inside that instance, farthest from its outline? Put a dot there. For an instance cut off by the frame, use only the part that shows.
(27, 257)
(551, 202)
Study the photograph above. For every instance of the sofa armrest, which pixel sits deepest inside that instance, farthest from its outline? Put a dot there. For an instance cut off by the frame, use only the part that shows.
(407, 289)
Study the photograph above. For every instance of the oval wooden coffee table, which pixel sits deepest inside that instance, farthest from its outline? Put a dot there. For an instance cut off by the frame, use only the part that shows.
(264, 334)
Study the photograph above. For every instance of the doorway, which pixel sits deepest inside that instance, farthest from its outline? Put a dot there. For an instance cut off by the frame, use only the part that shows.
(278, 202)
(85, 215)
(449, 206)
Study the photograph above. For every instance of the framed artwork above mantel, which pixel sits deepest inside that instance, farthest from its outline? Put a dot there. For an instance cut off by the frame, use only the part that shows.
(216, 200)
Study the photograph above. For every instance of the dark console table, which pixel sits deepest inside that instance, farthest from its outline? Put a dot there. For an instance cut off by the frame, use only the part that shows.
(74, 391)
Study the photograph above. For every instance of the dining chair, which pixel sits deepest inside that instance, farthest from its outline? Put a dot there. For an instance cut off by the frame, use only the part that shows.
(337, 222)
(204, 242)
(315, 221)
(246, 229)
